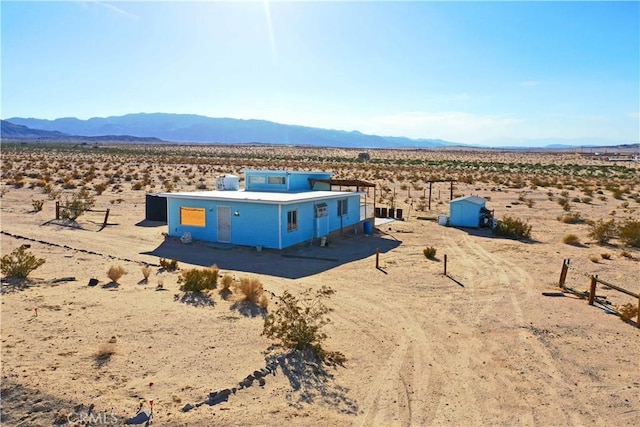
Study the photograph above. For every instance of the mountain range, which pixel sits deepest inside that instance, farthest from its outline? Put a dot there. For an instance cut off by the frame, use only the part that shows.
(191, 128)
(202, 129)
(11, 131)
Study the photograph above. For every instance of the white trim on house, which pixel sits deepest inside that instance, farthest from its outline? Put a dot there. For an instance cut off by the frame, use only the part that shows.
(259, 196)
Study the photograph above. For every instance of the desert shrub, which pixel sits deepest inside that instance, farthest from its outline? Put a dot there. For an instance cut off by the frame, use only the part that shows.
(570, 218)
(199, 279)
(586, 199)
(602, 231)
(79, 203)
(570, 239)
(530, 203)
(37, 205)
(100, 188)
(626, 254)
(297, 324)
(429, 252)
(19, 263)
(146, 271)
(629, 233)
(594, 258)
(628, 311)
(513, 227)
(115, 272)
(104, 353)
(226, 282)
(605, 255)
(170, 265)
(253, 291)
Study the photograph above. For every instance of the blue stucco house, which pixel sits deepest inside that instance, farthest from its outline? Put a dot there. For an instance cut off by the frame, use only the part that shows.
(276, 209)
(468, 211)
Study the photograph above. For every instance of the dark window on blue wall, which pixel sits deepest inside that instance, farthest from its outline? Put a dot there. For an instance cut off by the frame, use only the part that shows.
(292, 220)
(276, 180)
(343, 207)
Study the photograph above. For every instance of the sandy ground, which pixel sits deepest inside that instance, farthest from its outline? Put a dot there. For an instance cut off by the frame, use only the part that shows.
(481, 346)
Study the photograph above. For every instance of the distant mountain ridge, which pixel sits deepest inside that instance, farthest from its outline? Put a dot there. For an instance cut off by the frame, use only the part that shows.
(202, 129)
(12, 131)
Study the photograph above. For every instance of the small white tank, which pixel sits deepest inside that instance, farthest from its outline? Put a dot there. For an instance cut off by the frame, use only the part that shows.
(227, 182)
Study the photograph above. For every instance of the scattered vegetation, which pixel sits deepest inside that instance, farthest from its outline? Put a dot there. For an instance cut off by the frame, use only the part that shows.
(297, 324)
(37, 205)
(253, 292)
(429, 252)
(77, 205)
(605, 255)
(146, 272)
(627, 311)
(629, 233)
(199, 280)
(169, 265)
(104, 353)
(514, 228)
(571, 239)
(115, 272)
(19, 263)
(602, 231)
(594, 258)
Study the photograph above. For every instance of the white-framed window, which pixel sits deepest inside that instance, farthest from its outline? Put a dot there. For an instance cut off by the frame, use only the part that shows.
(292, 220)
(343, 207)
(276, 180)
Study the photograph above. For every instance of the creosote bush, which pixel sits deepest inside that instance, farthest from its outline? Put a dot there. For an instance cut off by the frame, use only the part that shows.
(629, 233)
(513, 227)
(169, 265)
(199, 280)
(115, 273)
(429, 252)
(78, 204)
(602, 231)
(297, 324)
(19, 263)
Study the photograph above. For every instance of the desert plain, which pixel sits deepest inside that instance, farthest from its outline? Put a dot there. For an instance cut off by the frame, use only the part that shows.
(481, 345)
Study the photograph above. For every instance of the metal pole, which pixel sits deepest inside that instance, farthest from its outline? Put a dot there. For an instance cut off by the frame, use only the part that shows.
(430, 186)
(445, 264)
(57, 210)
(377, 258)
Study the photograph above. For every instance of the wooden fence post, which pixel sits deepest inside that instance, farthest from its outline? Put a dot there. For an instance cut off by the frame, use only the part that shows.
(445, 264)
(377, 258)
(106, 217)
(57, 210)
(592, 291)
(563, 273)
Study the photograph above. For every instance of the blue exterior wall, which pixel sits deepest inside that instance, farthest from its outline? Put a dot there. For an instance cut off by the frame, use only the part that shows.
(293, 182)
(464, 213)
(300, 181)
(258, 224)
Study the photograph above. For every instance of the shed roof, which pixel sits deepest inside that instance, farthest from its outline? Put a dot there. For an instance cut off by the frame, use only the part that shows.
(477, 200)
(259, 196)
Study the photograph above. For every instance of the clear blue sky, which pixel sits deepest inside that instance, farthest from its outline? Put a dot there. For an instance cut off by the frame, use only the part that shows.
(474, 72)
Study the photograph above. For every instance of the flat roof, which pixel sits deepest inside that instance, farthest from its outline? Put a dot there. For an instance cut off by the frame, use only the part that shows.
(473, 199)
(259, 196)
(290, 172)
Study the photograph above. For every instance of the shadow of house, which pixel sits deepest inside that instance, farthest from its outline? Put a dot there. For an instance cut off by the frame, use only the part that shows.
(292, 263)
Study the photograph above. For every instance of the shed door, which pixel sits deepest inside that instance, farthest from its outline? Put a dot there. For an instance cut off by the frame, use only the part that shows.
(224, 224)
